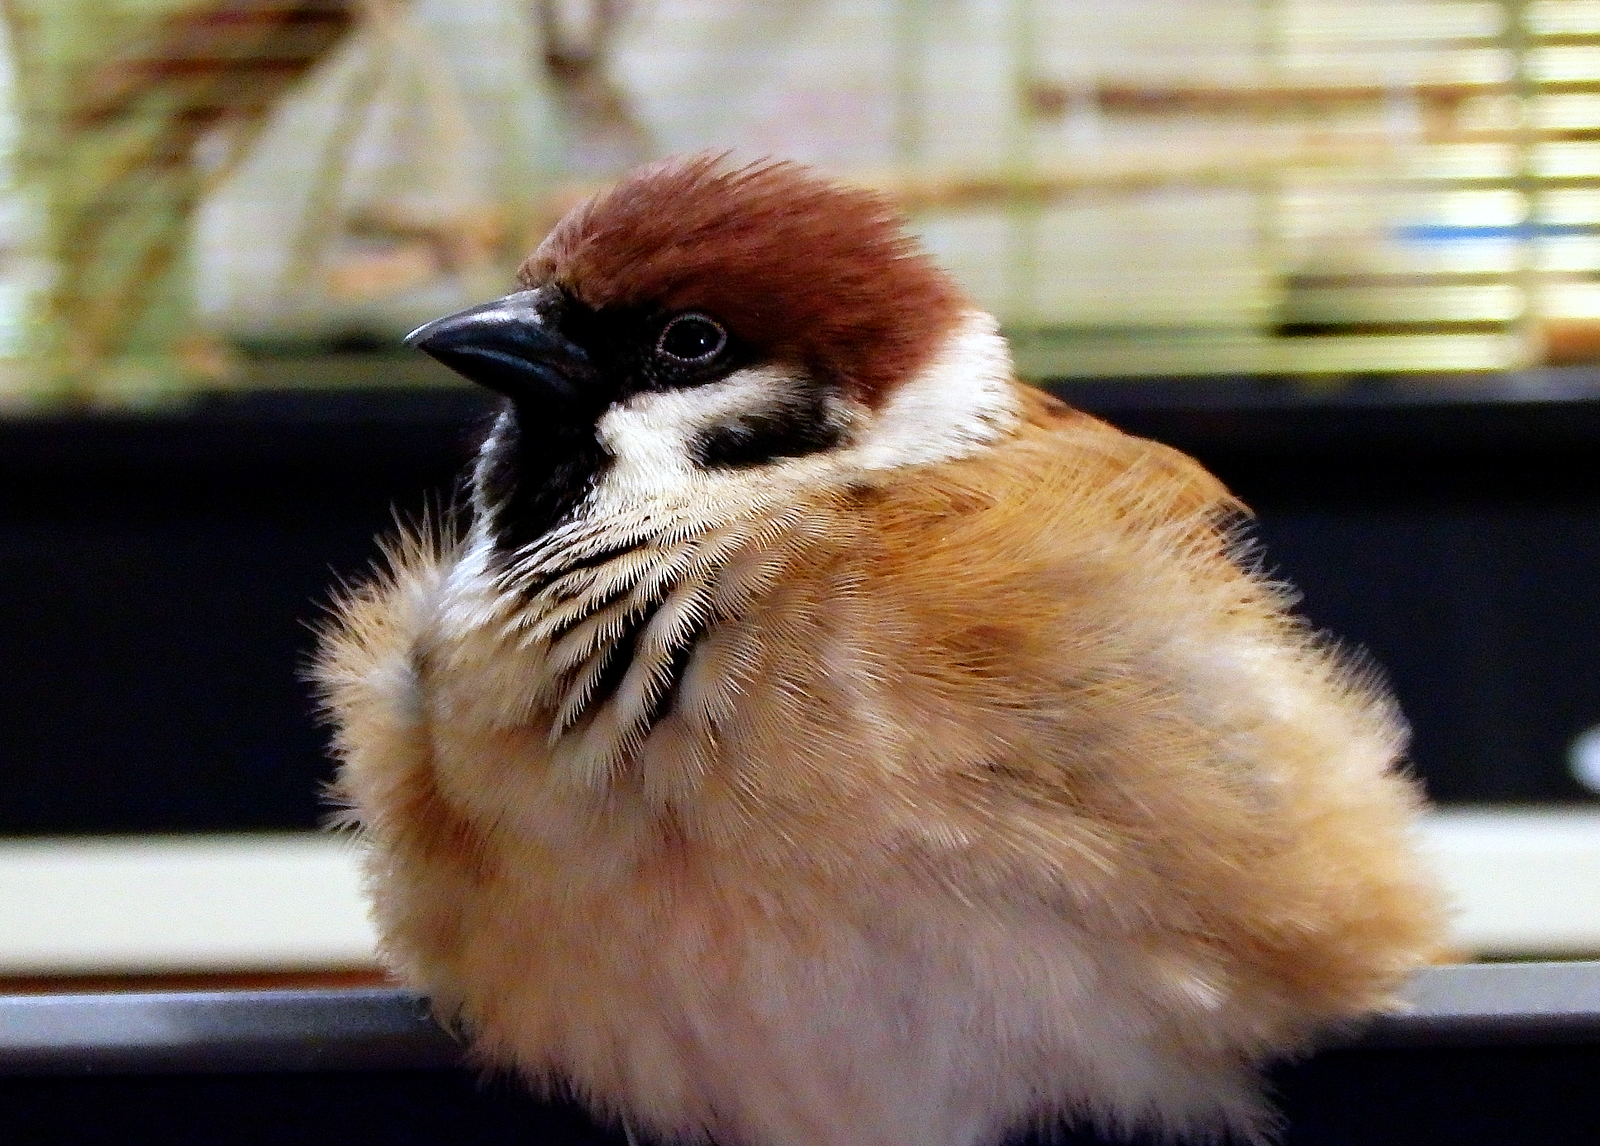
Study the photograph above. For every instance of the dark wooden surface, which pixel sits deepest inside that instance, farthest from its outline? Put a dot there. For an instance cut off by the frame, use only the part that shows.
(1504, 1055)
(163, 570)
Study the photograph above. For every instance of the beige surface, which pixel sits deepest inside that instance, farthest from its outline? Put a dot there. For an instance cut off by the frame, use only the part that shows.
(1526, 882)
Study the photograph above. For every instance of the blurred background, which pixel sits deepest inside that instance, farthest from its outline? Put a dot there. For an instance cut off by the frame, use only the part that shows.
(1346, 253)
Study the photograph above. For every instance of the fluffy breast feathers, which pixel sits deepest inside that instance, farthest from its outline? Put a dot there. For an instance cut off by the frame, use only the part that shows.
(1008, 758)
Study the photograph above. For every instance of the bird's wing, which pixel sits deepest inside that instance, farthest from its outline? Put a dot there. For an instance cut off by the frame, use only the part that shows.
(1118, 720)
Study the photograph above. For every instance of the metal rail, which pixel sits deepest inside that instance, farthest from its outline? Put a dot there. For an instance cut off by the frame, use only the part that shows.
(1470, 1005)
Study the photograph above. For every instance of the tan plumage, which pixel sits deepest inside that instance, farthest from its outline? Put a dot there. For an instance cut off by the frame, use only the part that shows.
(940, 797)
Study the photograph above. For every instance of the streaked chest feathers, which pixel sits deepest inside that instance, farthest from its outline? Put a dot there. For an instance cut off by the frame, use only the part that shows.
(608, 615)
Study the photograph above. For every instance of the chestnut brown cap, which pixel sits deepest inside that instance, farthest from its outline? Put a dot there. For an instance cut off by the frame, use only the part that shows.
(806, 271)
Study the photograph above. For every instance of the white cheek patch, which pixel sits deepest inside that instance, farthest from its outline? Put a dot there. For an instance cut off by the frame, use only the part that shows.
(964, 398)
(651, 436)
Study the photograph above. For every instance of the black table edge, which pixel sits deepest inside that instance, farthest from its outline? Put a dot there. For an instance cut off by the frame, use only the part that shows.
(348, 1029)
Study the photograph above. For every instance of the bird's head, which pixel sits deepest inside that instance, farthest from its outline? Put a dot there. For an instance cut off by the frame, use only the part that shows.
(704, 323)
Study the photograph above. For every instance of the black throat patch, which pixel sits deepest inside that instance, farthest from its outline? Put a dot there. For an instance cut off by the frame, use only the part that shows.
(532, 474)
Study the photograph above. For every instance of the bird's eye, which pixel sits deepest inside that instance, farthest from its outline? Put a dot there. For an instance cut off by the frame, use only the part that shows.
(692, 338)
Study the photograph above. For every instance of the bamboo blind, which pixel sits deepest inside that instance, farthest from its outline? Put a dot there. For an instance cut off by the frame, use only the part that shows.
(1150, 186)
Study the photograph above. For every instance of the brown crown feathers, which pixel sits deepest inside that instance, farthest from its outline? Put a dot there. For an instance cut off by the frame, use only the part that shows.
(807, 271)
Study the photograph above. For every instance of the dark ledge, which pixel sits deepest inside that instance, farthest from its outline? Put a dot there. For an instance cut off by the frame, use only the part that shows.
(297, 415)
(221, 1031)
(1499, 1055)
(1471, 1005)
(1534, 409)
(1494, 1004)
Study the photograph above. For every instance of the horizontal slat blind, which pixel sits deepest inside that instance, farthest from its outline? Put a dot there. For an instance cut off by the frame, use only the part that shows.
(1299, 187)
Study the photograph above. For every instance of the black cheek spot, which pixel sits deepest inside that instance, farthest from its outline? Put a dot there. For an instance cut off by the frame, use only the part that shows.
(754, 439)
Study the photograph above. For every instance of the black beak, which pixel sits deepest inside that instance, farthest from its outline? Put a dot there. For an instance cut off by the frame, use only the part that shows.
(506, 346)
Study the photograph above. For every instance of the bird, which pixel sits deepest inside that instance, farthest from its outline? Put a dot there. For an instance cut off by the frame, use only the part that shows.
(809, 734)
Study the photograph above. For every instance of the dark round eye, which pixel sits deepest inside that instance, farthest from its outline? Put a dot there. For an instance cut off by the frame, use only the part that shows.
(692, 338)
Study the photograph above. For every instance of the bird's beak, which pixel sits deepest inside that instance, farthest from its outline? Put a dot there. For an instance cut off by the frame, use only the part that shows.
(506, 346)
